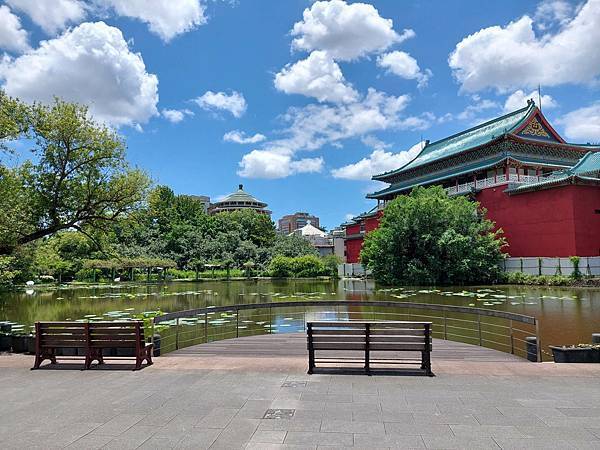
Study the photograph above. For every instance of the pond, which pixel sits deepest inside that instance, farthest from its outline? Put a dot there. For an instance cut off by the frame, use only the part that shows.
(567, 315)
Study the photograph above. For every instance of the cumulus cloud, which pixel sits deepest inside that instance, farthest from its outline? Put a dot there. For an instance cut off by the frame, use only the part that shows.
(345, 31)
(166, 18)
(583, 124)
(176, 115)
(52, 16)
(317, 76)
(276, 163)
(12, 36)
(553, 12)
(315, 125)
(513, 56)
(235, 102)
(240, 137)
(405, 66)
(473, 110)
(90, 64)
(518, 100)
(379, 161)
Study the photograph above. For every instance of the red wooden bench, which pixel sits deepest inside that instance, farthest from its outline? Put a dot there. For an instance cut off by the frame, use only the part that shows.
(94, 339)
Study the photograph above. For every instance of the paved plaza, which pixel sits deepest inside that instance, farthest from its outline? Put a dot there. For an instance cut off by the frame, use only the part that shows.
(226, 396)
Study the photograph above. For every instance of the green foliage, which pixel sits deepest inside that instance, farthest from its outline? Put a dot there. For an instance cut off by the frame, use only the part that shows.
(331, 263)
(535, 280)
(8, 272)
(78, 177)
(576, 274)
(299, 267)
(428, 238)
(292, 246)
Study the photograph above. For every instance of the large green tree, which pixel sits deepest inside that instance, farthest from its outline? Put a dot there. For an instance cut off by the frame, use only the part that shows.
(428, 238)
(77, 177)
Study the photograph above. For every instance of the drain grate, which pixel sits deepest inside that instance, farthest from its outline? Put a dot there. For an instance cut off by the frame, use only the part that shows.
(279, 414)
(294, 384)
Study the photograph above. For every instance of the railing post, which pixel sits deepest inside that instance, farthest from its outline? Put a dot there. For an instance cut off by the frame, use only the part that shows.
(205, 327)
(237, 323)
(538, 340)
(177, 335)
(445, 326)
(479, 329)
(270, 323)
(512, 339)
(367, 348)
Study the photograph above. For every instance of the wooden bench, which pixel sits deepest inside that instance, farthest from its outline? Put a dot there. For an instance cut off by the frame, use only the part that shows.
(94, 338)
(368, 337)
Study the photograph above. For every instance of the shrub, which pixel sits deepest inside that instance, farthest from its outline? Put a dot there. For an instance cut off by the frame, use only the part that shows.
(428, 238)
(300, 267)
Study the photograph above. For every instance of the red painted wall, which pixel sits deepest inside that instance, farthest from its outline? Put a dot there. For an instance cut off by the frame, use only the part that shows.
(554, 222)
(354, 246)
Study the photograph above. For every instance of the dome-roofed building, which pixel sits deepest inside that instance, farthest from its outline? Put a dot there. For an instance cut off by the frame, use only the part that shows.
(237, 201)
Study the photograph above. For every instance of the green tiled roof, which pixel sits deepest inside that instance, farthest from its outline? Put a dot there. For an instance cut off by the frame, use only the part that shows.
(440, 176)
(240, 196)
(587, 169)
(465, 140)
(589, 164)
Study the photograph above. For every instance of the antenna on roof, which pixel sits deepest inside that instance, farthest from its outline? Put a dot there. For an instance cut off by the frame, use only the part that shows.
(540, 96)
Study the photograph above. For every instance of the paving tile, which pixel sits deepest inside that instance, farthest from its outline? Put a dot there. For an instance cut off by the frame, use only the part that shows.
(217, 418)
(308, 438)
(388, 441)
(343, 426)
(406, 429)
(118, 424)
(460, 443)
(268, 437)
(546, 443)
(580, 412)
(90, 442)
(199, 439)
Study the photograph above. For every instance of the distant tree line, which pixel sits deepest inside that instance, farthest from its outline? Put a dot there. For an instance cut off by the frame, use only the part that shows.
(71, 205)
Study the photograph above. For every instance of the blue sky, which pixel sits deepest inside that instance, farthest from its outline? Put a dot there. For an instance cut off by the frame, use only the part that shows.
(321, 95)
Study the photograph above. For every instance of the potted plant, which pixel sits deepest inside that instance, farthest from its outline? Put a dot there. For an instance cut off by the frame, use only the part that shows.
(581, 353)
(5, 342)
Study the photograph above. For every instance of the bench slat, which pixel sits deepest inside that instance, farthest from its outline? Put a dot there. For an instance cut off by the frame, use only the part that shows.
(339, 339)
(341, 331)
(338, 346)
(392, 339)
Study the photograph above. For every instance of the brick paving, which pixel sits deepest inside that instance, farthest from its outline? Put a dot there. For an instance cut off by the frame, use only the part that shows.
(195, 400)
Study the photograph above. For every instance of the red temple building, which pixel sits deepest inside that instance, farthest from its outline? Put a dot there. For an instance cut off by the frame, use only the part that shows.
(542, 191)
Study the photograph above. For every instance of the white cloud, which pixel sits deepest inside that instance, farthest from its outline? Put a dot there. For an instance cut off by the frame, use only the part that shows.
(235, 102)
(552, 12)
(276, 163)
(317, 76)
(374, 142)
(315, 125)
(513, 56)
(471, 111)
(176, 115)
(405, 66)
(52, 16)
(12, 36)
(166, 18)
(90, 64)
(240, 137)
(583, 124)
(345, 31)
(379, 161)
(518, 100)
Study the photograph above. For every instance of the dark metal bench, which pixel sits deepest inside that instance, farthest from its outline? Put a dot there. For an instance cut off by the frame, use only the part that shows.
(91, 339)
(366, 338)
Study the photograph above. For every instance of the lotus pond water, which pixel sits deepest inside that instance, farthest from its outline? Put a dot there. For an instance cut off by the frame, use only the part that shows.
(567, 315)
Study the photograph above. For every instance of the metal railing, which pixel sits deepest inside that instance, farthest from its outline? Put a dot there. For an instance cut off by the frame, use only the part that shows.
(500, 330)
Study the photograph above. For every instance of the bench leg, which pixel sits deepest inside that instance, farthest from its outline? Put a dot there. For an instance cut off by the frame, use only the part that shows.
(41, 357)
(426, 363)
(138, 362)
(149, 351)
(38, 361)
(311, 361)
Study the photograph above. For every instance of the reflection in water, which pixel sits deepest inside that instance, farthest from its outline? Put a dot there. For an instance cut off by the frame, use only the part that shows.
(567, 315)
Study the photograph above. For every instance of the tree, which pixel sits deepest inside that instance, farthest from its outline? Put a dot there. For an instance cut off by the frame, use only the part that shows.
(428, 238)
(292, 246)
(13, 119)
(77, 179)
